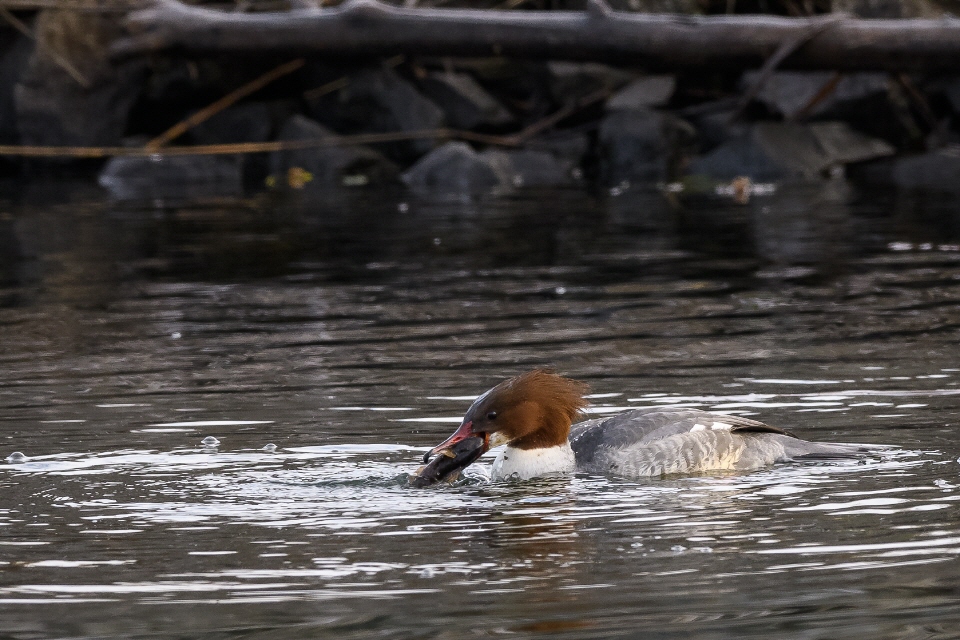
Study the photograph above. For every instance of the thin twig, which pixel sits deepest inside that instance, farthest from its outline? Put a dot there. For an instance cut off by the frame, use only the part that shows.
(785, 49)
(822, 94)
(228, 100)
(561, 114)
(915, 94)
(513, 140)
(344, 81)
(324, 89)
(253, 147)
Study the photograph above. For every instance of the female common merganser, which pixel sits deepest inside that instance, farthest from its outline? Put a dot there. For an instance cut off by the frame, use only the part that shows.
(532, 415)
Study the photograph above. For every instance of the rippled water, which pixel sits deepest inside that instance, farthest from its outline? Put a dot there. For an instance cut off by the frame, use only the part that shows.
(130, 336)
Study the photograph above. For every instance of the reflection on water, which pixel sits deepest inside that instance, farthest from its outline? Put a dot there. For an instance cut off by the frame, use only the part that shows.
(219, 405)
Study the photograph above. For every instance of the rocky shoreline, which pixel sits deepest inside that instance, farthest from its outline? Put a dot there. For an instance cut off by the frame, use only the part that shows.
(548, 124)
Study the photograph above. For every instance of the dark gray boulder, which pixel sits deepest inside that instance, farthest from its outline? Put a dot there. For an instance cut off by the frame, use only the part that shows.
(530, 168)
(172, 177)
(934, 171)
(789, 92)
(841, 144)
(465, 104)
(641, 145)
(248, 122)
(15, 52)
(380, 100)
(779, 150)
(570, 81)
(716, 126)
(329, 166)
(456, 170)
(648, 91)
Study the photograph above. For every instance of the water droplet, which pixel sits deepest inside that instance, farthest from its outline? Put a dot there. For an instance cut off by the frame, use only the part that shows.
(16, 458)
(270, 448)
(560, 290)
(210, 441)
(678, 548)
(175, 335)
(403, 207)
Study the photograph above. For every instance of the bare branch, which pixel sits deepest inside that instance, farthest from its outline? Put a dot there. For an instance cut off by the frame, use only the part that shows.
(654, 41)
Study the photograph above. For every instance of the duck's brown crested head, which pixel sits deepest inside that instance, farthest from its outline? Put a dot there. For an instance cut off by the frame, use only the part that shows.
(531, 411)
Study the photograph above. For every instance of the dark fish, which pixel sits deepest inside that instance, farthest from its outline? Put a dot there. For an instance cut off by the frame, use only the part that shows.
(448, 462)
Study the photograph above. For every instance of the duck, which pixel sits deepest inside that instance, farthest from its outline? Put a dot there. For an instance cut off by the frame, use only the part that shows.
(533, 414)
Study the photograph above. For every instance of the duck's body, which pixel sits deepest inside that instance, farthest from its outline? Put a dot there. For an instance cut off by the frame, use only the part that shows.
(532, 415)
(663, 441)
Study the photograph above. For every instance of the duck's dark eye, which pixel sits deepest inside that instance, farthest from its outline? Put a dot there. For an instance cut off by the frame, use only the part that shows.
(492, 415)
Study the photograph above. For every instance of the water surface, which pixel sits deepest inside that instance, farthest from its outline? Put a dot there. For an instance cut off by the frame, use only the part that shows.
(351, 334)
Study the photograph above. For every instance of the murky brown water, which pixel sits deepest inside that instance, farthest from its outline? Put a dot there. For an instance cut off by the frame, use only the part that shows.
(351, 334)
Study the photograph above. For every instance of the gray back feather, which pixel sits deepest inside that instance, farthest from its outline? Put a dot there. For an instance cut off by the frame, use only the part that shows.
(646, 426)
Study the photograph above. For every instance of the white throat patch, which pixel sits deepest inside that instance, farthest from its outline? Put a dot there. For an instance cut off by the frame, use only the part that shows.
(523, 464)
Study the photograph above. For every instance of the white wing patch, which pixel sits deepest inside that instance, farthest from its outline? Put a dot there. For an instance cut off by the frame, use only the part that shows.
(716, 426)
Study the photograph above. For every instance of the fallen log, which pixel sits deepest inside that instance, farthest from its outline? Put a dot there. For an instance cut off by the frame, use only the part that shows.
(651, 41)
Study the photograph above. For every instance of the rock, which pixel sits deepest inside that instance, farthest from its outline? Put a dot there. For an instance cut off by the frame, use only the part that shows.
(15, 52)
(248, 122)
(843, 145)
(570, 81)
(779, 150)
(568, 147)
(171, 177)
(528, 168)
(648, 91)
(89, 104)
(949, 86)
(717, 127)
(523, 85)
(379, 100)
(331, 166)
(788, 92)
(933, 171)
(640, 145)
(465, 104)
(739, 157)
(455, 169)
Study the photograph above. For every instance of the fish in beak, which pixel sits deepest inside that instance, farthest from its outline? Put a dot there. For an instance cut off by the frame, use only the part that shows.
(450, 456)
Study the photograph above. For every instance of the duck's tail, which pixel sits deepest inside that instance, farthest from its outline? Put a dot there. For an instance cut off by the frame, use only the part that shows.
(804, 450)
